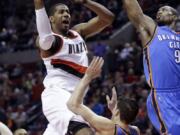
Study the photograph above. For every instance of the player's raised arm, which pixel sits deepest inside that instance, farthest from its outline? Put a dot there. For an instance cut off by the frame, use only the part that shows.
(43, 26)
(142, 22)
(75, 103)
(38, 4)
(97, 24)
(93, 71)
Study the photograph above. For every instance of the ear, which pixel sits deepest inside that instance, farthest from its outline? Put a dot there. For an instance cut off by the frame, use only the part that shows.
(51, 18)
(175, 17)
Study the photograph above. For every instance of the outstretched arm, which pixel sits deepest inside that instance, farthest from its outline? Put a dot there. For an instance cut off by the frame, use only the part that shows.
(75, 103)
(95, 25)
(144, 24)
(46, 37)
(4, 130)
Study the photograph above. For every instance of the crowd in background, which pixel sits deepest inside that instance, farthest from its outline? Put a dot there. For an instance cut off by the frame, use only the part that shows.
(21, 84)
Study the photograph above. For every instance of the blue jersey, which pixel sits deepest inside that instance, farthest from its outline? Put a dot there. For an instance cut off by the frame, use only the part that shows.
(121, 131)
(162, 59)
(162, 70)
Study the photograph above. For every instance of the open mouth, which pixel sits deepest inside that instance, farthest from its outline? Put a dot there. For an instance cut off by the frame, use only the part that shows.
(65, 22)
(158, 16)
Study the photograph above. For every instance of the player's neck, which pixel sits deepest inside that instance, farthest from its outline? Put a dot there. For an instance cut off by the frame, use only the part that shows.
(63, 33)
(60, 32)
(173, 26)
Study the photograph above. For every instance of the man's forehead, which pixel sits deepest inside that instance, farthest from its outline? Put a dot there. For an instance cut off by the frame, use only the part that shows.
(62, 7)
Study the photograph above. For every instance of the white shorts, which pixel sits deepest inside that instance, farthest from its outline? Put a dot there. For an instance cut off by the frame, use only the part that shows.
(54, 101)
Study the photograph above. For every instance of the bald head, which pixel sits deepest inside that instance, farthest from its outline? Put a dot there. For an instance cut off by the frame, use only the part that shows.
(166, 15)
(20, 132)
(173, 10)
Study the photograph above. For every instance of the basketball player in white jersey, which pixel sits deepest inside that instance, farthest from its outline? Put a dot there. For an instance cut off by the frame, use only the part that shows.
(64, 53)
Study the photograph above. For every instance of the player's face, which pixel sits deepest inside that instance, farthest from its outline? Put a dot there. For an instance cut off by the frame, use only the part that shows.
(62, 17)
(165, 15)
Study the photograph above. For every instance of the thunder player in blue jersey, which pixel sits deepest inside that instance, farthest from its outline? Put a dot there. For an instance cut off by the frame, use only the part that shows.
(161, 64)
(124, 110)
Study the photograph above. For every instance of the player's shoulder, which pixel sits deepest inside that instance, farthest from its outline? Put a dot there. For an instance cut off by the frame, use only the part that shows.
(74, 34)
(76, 28)
(73, 31)
(136, 129)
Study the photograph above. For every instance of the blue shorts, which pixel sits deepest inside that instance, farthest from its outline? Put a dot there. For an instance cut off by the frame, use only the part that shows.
(164, 110)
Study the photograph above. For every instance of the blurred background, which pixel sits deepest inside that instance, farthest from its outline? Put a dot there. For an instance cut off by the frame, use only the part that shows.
(22, 71)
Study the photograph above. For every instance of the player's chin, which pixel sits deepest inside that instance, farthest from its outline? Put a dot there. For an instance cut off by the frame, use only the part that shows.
(65, 27)
(164, 22)
(161, 22)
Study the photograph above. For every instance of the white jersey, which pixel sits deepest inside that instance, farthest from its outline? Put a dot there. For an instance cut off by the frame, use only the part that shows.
(68, 63)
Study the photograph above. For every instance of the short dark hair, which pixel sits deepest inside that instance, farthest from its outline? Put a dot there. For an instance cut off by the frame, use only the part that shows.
(52, 9)
(128, 109)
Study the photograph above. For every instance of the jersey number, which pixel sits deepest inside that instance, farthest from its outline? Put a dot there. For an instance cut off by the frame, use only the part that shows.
(177, 56)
